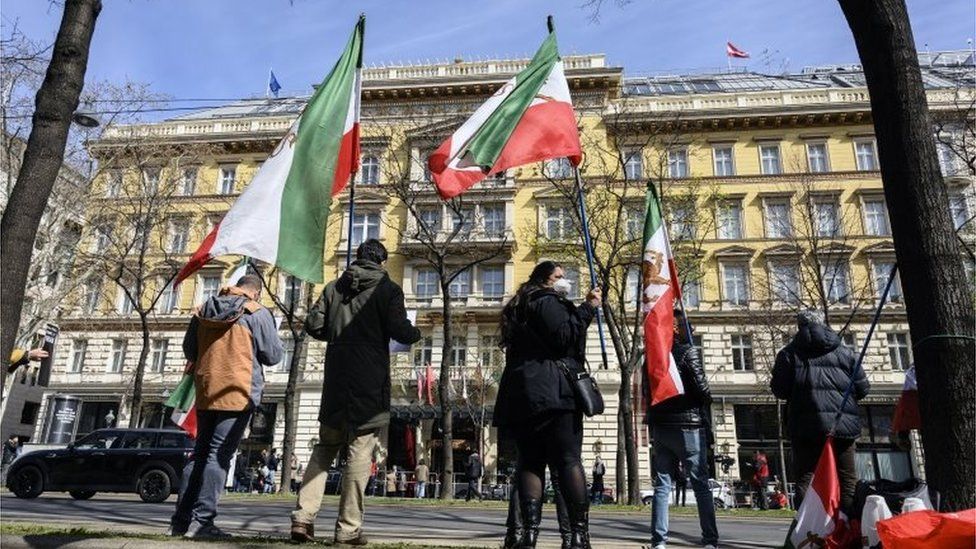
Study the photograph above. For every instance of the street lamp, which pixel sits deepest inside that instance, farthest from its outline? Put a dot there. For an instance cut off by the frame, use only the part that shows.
(85, 116)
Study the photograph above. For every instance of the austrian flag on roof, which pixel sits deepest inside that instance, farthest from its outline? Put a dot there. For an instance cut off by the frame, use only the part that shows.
(529, 119)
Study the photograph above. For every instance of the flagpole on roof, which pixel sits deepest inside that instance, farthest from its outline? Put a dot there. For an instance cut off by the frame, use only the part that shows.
(589, 255)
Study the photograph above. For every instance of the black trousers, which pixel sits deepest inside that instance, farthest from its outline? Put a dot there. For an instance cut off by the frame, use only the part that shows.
(806, 452)
(555, 441)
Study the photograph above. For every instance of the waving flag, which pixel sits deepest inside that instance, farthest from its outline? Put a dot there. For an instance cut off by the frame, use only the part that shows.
(281, 217)
(529, 119)
(732, 51)
(273, 84)
(183, 403)
(661, 288)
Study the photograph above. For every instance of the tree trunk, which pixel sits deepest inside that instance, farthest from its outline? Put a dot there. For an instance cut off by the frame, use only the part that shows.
(633, 461)
(444, 388)
(57, 100)
(620, 479)
(628, 476)
(136, 411)
(939, 307)
(779, 441)
(291, 407)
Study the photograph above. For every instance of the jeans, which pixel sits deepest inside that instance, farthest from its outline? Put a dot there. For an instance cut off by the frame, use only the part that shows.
(352, 504)
(688, 445)
(218, 435)
(421, 489)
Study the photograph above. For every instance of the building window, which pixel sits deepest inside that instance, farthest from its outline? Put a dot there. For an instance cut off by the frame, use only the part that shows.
(151, 179)
(682, 222)
(784, 281)
(494, 219)
(179, 234)
(678, 163)
(634, 223)
(460, 287)
(117, 358)
(93, 295)
(370, 170)
(817, 161)
(462, 221)
(631, 283)
(866, 155)
(881, 271)
(209, 286)
(572, 274)
(79, 350)
(365, 225)
(459, 350)
(875, 458)
(848, 340)
(113, 186)
(430, 220)
(425, 166)
(958, 209)
(899, 351)
(778, 223)
(634, 165)
(742, 353)
(287, 352)
(736, 283)
(559, 168)
(691, 293)
(825, 218)
(948, 160)
(836, 285)
(123, 305)
(724, 161)
(876, 217)
(423, 352)
(293, 293)
(560, 223)
(493, 282)
(228, 178)
(769, 159)
(159, 349)
(491, 353)
(169, 299)
(188, 182)
(28, 414)
(425, 283)
(730, 220)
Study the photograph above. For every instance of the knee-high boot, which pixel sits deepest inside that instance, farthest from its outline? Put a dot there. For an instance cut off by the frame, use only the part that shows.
(579, 521)
(562, 514)
(531, 517)
(513, 524)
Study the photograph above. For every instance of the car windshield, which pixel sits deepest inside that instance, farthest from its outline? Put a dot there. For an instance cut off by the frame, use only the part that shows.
(96, 441)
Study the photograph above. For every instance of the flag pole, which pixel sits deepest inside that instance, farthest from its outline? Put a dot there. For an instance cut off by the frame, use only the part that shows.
(267, 87)
(589, 259)
(864, 348)
(352, 211)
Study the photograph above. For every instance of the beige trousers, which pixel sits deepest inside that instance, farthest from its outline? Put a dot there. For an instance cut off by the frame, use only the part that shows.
(354, 477)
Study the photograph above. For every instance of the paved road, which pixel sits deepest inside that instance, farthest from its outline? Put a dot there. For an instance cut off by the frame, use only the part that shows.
(475, 527)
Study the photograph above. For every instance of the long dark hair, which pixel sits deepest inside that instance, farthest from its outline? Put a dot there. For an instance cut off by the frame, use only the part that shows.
(513, 313)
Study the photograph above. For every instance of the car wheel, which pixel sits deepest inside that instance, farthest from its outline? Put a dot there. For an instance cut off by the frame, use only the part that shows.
(82, 494)
(154, 486)
(27, 482)
(647, 500)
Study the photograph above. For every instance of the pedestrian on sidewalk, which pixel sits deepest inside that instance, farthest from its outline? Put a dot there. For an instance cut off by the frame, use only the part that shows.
(229, 340)
(680, 432)
(542, 331)
(391, 482)
(596, 491)
(357, 314)
(473, 471)
(760, 477)
(273, 464)
(680, 484)
(420, 474)
(811, 374)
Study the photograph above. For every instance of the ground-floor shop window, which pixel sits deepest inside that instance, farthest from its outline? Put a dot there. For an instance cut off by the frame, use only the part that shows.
(876, 456)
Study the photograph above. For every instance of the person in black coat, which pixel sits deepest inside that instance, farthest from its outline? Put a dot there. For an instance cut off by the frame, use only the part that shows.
(681, 431)
(357, 315)
(811, 374)
(544, 332)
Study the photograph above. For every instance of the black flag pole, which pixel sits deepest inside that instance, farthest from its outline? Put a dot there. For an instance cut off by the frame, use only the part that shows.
(589, 260)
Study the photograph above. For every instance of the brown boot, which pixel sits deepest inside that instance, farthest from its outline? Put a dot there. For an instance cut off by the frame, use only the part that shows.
(302, 533)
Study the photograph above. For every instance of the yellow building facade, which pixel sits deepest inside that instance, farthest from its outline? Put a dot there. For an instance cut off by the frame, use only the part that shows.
(781, 207)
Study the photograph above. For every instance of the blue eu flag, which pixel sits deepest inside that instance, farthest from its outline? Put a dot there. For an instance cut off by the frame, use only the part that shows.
(273, 84)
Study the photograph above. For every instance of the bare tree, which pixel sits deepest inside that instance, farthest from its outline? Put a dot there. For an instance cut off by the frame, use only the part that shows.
(940, 313)
(57, 100)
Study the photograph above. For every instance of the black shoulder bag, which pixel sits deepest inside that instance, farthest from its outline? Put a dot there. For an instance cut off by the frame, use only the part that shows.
(586, 391)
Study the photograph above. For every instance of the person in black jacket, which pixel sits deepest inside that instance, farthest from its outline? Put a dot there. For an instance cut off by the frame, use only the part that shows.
(542, 332)
(812, 374)
(357, 314)
(679, 428)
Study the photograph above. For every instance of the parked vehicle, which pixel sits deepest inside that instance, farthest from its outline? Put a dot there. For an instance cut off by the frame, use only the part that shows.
(722, 495)
(148, 462)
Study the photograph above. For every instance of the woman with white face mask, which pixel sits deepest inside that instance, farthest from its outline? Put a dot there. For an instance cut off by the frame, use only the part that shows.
(536, 405)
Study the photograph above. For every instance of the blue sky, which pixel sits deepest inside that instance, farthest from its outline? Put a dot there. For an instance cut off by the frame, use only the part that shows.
(223, 48)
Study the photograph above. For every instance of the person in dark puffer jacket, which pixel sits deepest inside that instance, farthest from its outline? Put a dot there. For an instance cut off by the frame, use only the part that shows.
(811, 374)
(679, 427)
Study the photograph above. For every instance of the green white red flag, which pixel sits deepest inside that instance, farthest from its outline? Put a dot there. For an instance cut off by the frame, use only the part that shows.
(281, 217)
(183, 403)
(529, 119)
(819, 521)
(661, 288)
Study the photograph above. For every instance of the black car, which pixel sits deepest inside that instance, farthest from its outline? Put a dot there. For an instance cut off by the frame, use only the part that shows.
(148, 462)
